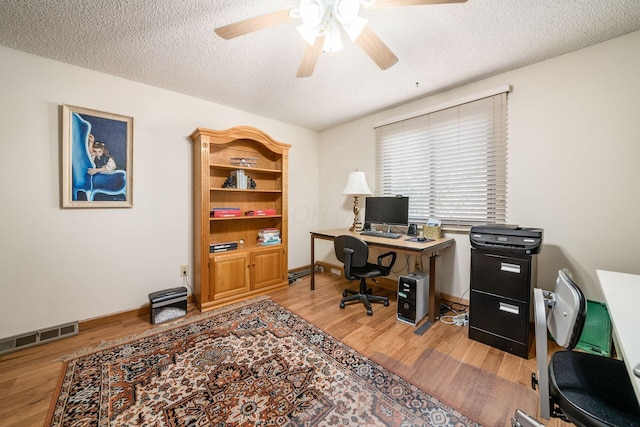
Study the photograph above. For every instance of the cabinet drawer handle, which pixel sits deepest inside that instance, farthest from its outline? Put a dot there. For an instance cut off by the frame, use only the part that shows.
(513, 309)
(512, 268)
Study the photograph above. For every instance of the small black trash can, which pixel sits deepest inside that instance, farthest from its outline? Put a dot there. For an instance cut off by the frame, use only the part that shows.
(168, 304)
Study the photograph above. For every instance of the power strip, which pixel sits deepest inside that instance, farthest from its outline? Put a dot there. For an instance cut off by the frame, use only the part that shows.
(461, 319)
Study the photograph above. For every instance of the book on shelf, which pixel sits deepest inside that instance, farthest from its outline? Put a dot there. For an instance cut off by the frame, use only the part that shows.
(271, 241)
(269, 236)
(225, 212)
(222, 247)
(260, 212)
(269, 232)
(242, 180)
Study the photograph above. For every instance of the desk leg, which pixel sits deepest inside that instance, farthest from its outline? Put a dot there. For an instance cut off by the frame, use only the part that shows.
(313, 263)
(434, 298)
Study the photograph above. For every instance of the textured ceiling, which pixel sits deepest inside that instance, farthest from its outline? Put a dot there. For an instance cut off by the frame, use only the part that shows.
(171, 44)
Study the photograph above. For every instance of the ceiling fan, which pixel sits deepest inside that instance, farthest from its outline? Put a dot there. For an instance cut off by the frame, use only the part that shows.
(322, 21)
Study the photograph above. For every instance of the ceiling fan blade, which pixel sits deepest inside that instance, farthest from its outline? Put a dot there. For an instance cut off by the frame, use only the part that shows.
(376, 49)
(394, 3)
(310, 58)
(250, 25)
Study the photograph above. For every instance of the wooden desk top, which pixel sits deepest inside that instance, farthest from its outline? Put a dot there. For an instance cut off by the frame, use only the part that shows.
(399, 244)
(622, 292)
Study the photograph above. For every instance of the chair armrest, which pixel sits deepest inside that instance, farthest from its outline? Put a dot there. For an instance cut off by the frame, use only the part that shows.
(348, 252)
(385, 264)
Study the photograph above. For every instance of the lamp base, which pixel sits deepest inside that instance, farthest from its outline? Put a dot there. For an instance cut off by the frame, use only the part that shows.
(357, 225)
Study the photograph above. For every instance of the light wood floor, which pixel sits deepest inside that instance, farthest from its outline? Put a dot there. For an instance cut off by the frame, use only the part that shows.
(484, 383)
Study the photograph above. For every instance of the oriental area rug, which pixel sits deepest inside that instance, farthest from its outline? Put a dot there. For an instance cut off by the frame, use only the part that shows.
(254, 365)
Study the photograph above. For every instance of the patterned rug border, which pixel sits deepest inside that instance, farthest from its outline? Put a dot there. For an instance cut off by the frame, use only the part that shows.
(163, 327)
(166, 327)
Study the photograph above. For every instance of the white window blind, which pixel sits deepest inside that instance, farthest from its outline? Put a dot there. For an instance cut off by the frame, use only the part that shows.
(452, 163)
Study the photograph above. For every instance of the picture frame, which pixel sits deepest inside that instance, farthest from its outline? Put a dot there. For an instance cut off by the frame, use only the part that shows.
(97, 159)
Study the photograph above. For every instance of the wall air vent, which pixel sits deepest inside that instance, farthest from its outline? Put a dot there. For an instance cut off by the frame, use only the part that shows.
(42, 336)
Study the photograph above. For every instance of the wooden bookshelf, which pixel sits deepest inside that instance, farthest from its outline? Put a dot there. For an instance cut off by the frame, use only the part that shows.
(250, 269)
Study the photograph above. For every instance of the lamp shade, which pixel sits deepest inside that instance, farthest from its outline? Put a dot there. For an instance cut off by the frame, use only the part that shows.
(357, 184)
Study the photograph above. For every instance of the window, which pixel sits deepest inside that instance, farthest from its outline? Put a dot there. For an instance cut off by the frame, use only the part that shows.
(452, 163)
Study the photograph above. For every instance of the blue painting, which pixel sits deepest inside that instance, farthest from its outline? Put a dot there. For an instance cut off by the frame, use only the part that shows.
(99, 150)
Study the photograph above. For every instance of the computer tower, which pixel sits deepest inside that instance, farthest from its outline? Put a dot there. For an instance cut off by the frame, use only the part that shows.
(413, 297)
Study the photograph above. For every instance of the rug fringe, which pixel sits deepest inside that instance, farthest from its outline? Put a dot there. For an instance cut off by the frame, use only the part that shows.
(162, 327)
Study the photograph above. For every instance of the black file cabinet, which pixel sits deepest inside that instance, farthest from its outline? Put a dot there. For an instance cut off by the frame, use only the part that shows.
(500, 299)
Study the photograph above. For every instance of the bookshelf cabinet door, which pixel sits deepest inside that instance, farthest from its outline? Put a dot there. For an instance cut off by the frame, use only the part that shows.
(267, 267)
(229, 274)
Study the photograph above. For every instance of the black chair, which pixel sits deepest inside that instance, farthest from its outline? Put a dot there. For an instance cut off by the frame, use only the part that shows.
(354, 254)
(582, 388)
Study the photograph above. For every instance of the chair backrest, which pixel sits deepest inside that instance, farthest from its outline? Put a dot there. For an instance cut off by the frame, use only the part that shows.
(561, 312)
(359, 247)
(566, 318)
(80, 159)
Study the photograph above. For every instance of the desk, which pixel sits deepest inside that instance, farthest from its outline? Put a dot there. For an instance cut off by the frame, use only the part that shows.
(622, 294)
(397, 245)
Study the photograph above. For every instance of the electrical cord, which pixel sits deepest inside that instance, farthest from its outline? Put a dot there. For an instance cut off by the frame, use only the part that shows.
(460, 316)
(185, 281)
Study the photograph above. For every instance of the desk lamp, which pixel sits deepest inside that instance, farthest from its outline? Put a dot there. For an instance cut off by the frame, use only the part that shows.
(356, 186)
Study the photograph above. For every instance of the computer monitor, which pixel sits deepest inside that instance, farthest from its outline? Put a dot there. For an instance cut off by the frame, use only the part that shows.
(387, 210)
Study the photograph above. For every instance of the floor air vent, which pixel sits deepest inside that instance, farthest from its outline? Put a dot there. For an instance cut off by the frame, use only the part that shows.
(18, 342)
(293, 276)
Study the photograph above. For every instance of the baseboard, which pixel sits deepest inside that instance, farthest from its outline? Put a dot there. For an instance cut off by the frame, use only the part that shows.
(142, 311)
(385, 282)
(330, 268)
(304, 267)
(452, 299)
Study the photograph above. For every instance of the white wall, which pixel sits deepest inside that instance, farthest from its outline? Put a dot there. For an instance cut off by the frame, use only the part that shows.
(59, 265)
(574, 145)
(573, 165)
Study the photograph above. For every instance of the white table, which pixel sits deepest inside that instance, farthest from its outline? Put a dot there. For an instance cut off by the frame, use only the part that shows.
(622, 295)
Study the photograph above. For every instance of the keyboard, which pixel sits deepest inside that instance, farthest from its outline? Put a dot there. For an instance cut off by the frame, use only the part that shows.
(384, 234)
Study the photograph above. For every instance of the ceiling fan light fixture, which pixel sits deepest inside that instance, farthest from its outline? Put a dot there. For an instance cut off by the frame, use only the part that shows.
(346, 11)
(332, 38)
(309, 34)
(355, 28)
(312, 12)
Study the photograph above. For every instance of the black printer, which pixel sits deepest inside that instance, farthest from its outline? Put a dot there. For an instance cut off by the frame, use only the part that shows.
(506, 237)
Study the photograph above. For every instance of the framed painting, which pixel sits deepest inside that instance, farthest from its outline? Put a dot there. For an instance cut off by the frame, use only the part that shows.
(97, 159)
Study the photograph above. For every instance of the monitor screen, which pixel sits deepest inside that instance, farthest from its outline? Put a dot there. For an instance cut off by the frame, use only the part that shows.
(387, 210)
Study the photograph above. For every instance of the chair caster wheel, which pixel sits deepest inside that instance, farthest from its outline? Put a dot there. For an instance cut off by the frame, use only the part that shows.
(341, 304)
(386, 304)
(369, 312)
(345, 293)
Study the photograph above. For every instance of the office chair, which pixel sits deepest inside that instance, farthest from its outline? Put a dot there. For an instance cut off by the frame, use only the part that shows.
(354, 254)
(582, 388)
